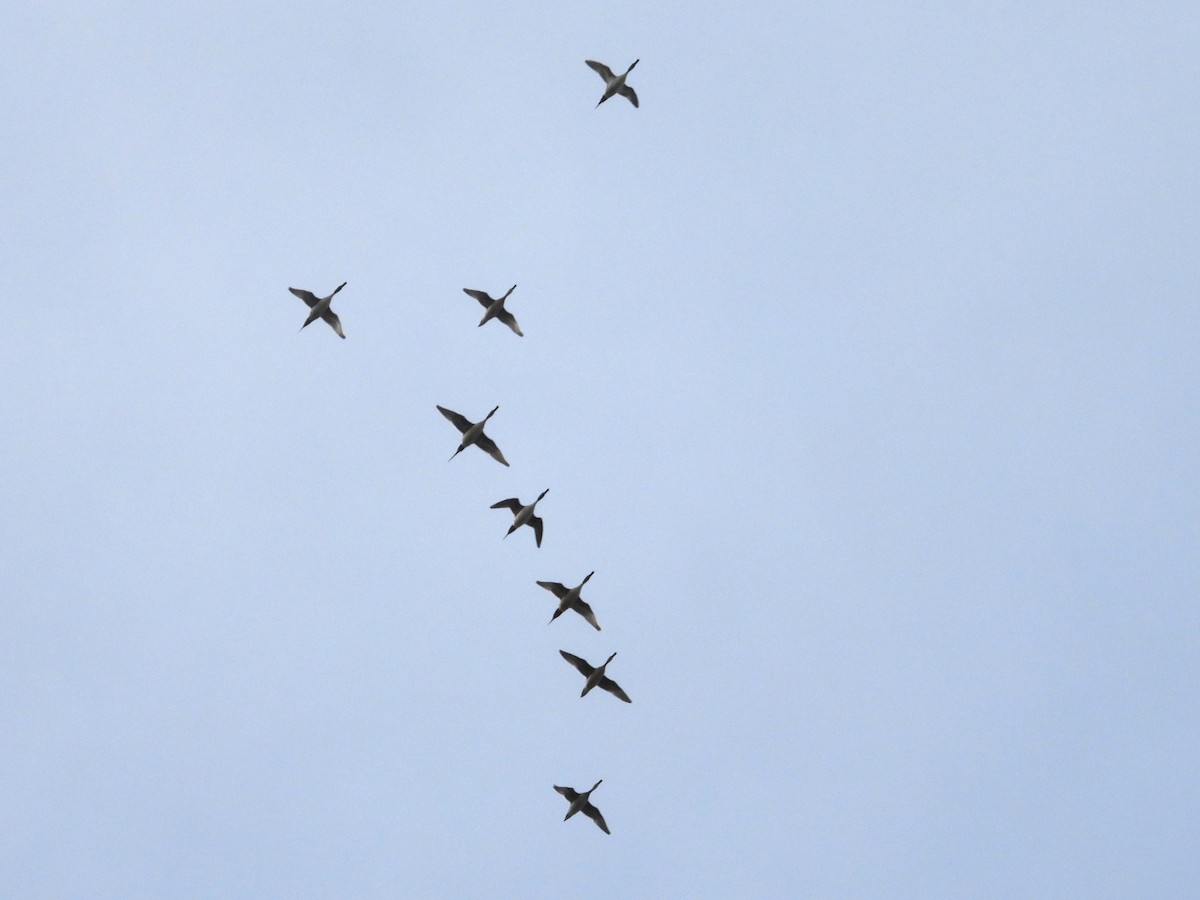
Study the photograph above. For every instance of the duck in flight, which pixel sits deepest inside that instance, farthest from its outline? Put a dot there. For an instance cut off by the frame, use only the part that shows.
(614, 84)
(523, 515)
(472, 433)
(495, 309)
(595, 677)
(319, 309)
(568, 598)
(580, 803)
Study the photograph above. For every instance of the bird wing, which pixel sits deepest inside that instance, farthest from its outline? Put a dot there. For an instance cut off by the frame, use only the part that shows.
(594, 814)
(535, 522)
(554, 587)
(601, 69)
(582, 665)
(570, 793)
(485, 443)
(607, 684)
(334, 322)
(484, 300)
(462, 423)
(511, 503)
(307, 296)
(511, 321)
(627, 91)
(586, 611)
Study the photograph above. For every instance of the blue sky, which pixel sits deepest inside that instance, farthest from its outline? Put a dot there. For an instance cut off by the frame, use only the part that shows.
(859, 362)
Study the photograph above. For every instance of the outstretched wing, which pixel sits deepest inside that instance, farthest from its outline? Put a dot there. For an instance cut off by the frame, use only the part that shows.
(535, 522)
(510, 320)
(462, 423)
(487, 445)
(511, 503)
(484, 300)
(601, 69)
(554, 587)
(307, 296)
(627, 91)
(570, 793)
(586, 611)
(594, 814)
(607, 684)
(582, 665)
(334, 322)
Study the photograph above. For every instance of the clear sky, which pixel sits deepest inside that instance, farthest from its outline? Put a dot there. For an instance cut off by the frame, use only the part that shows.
(860, 363)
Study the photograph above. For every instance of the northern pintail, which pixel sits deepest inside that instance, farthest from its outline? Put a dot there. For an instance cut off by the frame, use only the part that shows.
(495, 309)
(319, 309)
(472, 433)
(595, 677)
(614, 84)
(523, 515)
(580, 803)
(568, 598)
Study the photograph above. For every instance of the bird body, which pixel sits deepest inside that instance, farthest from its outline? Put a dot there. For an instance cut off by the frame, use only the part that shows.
(595, 676)
(614, 84)
(568, 598)
(494, 309)
(580, 803)
(472, 433)
(320, 308)
(523, 515)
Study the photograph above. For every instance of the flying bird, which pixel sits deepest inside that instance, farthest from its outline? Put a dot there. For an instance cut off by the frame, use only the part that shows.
(595, 677)
(523, 515)
(614, 84)
(319, 309)
(568, 598)
(472, 433)
(580, 803)
(495, 309)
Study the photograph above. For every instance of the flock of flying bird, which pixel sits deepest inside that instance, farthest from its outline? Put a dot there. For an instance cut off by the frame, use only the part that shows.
(472, 433)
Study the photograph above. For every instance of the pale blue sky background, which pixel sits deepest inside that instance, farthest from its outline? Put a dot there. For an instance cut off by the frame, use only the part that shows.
(860, 363)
